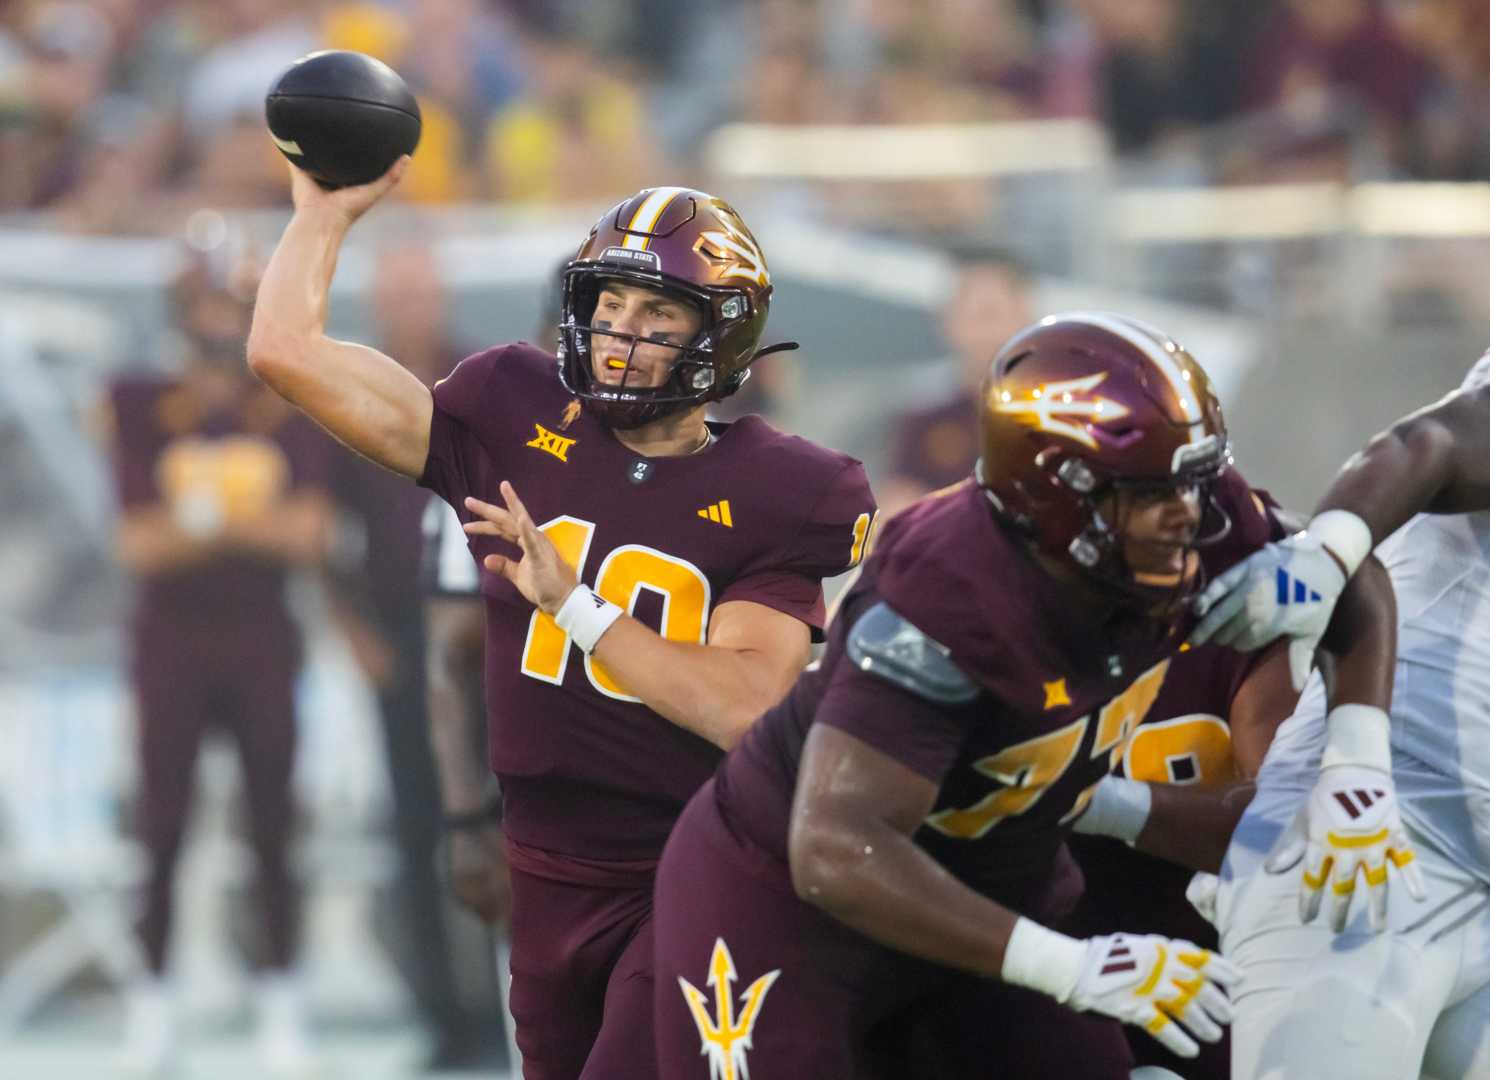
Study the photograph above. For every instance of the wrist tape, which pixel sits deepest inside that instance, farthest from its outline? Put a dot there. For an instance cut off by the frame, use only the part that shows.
(1043, 960)
(585, 616)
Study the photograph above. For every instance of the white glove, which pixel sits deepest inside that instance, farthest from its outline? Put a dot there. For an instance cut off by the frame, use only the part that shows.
(1288, 587)
(1203, 892)
(1350, 823)
(1141, 979)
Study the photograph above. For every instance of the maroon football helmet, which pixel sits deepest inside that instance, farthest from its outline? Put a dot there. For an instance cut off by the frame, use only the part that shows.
(688, 244)
(1083, 404)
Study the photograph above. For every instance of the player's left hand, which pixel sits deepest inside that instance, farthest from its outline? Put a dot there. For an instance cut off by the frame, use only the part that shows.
(1288, 587)
(1349, 826)
(541, 575)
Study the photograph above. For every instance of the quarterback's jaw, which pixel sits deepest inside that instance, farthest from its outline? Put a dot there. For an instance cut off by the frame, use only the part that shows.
(637, 334)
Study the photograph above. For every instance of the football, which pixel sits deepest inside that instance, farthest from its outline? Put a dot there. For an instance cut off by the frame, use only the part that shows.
(343, 117)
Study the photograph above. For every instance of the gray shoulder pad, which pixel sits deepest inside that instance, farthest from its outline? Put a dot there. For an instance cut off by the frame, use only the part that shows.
(888, 647)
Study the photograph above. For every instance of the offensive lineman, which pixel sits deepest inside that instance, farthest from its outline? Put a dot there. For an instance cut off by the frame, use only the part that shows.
(635, 516)
(891, 835)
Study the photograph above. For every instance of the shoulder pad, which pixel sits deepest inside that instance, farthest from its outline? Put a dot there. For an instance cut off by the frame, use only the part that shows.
(884, 644)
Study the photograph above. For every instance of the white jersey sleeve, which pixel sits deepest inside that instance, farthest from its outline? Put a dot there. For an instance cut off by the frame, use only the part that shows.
(1440, 570)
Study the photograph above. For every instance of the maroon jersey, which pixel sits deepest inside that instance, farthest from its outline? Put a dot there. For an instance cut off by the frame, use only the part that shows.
(1183, 740)
(1056, 696)
(587, 771)
(233, 461)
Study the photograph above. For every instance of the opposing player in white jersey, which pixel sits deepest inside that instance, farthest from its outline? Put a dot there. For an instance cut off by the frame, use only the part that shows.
(1414, 1000)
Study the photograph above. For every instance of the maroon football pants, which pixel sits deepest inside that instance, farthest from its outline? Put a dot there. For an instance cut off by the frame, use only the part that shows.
(581, 990)
(184, 685)
(750, 977)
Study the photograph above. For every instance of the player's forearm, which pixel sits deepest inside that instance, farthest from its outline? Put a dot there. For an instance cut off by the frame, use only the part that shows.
(294, 297)
(296, 532)
(152, 544)
(464, 776)
(712, 691)
(1192, 826)
(1362, 639)
(454, 703)
(1436, 460)
(875, 879)
(365, 399)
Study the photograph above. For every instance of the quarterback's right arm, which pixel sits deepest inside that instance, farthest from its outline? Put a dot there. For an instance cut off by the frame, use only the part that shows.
(852, 854)
(364, 398)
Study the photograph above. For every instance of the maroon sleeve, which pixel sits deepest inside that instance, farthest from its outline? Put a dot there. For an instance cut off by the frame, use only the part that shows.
(135, 444)
(924, 737)
(452, 441)
(829, 541)
(1283, 522)
(791, 594)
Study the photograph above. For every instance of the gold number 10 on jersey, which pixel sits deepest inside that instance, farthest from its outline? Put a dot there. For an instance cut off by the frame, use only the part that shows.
(622, 576)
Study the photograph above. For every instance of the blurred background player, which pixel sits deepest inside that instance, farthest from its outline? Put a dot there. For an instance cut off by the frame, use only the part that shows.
(222, 490)
(935, 443)
(473, 851)
(381, 607)
(664, 306)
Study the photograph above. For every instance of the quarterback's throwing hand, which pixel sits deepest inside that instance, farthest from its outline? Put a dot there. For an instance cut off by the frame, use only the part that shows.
(541, 575)
(348, 203)
(1159, 984)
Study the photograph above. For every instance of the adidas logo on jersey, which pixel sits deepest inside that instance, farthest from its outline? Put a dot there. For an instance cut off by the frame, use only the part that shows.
(1293, 591)
(718, 513)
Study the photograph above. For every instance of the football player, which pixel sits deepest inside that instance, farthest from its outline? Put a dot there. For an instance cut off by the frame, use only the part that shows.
(1417, 998)
(651, 590)
(222, 493)
(892, 834)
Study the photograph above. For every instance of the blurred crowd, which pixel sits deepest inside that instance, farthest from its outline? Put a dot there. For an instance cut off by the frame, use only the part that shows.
(123, 115)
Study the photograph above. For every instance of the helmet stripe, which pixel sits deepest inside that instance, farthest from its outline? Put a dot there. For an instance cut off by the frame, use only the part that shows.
(647, 215)
(1135, 335)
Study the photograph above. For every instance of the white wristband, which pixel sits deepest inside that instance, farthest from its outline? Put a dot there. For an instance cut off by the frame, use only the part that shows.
(1119, 808)
(1358, 735)
(585, 617)
(1043, 960)
(1345, 534)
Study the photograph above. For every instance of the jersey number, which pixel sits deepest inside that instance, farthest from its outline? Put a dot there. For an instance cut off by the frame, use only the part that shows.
(1192, 749)
(1026, 770)
(622, 576)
